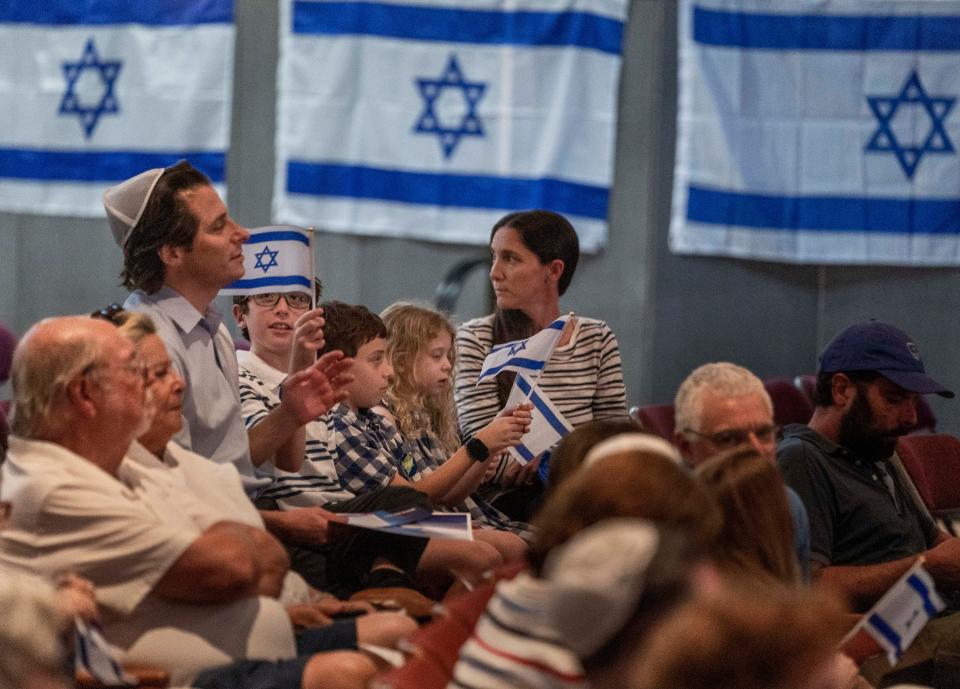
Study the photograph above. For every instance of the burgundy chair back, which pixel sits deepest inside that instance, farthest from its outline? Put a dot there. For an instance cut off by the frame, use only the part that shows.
(790, 405)
(655, 418)
(933, 462)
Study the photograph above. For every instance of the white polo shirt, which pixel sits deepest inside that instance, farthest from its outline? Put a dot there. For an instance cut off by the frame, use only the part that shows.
(68, 515)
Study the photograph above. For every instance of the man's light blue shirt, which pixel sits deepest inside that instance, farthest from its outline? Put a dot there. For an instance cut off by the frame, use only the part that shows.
(202, 351)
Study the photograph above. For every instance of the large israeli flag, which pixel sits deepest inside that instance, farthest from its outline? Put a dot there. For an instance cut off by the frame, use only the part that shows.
(819, 131)
(92, 93)
(432, 119)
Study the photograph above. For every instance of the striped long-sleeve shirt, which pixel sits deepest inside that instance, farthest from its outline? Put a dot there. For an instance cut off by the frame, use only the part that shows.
(583, 378)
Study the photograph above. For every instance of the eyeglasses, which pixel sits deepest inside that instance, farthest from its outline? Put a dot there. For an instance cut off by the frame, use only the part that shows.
(109, 313)
(295, 300)
(765, 435)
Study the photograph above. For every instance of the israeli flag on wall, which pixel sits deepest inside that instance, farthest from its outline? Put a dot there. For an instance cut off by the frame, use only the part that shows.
(276, 258)
(92, 93)
(434, 119)
(819, 132)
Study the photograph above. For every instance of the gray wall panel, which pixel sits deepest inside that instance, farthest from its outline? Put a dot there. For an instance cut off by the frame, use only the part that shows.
(671, 313)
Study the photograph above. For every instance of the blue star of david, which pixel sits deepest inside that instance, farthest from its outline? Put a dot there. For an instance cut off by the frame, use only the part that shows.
(519, 347)
(270, 256)
(884, 140)
(432, 89)
(108, 70)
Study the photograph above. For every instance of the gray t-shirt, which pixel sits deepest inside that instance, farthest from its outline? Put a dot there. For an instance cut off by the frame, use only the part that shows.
(855, 518)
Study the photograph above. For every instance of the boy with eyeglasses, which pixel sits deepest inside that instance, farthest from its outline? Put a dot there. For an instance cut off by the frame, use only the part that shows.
(383, 561)
(358, 559)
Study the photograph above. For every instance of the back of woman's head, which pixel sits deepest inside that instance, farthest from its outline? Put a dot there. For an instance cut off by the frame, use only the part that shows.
(568, 455)
(765, 638)
(549, 235)
(757, 534)
(632, 483)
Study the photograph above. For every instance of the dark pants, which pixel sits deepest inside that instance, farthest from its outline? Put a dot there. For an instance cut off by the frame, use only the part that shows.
(342, 565)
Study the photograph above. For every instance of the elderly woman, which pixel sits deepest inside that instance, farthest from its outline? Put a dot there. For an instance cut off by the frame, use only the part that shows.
(535, 255)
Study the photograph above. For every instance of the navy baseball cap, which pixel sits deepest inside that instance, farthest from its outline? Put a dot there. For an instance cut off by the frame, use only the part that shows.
(884, 349)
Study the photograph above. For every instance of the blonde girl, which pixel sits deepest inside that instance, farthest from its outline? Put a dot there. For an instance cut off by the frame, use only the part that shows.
(420, 402)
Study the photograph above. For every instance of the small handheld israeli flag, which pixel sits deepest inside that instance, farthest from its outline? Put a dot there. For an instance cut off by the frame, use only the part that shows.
(547, 426)
(530, 355)
(276, 258)
(903, 611)
(98, 657)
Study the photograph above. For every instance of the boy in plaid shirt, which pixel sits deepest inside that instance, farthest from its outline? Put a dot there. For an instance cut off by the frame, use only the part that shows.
(369, 448)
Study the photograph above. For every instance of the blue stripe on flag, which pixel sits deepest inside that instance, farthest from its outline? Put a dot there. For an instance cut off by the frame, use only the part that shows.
(825, 32)
(538, 402)
(523, 451)
(886, 630)
(435, 189)
(103, 12)
(100, 166)
(824, 213)
(277, 281)
(529, 364)
(278, 236)
(556, 325)
(451, 25)
(918, 585)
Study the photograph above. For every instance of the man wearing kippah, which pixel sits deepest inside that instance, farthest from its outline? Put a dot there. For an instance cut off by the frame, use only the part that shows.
(867, 527)
(180, 248)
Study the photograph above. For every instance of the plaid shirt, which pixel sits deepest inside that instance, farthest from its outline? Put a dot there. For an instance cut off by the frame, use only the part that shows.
(369, 450)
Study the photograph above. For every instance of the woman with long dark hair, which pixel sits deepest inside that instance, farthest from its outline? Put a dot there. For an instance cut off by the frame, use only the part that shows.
(535, 254)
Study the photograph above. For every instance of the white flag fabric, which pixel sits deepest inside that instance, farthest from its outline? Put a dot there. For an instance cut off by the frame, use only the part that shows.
(819, 132)
(95, 655)
(897, 618)
(547, 425)
(434, 119)
(276, 258)
(92, 93)
(530, 355)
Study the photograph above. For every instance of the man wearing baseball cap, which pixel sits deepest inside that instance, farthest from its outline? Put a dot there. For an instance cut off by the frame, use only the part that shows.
(866, 525)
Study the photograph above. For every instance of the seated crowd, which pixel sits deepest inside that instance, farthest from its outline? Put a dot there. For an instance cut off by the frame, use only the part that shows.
(189, 499)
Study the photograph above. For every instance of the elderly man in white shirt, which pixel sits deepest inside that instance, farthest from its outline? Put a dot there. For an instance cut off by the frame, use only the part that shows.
(198, 602)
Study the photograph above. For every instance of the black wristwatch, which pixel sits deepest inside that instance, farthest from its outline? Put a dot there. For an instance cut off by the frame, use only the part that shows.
(477, 450)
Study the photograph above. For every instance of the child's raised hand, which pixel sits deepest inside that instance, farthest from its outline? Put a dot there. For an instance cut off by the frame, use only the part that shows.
(314, 390)
(307, 339)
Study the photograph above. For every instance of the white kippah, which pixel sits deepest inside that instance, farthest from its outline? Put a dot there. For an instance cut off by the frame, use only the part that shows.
(125, 202)
(625, 442)
(596, 579)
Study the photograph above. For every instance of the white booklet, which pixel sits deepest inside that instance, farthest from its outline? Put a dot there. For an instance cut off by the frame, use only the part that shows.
(415, 521)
